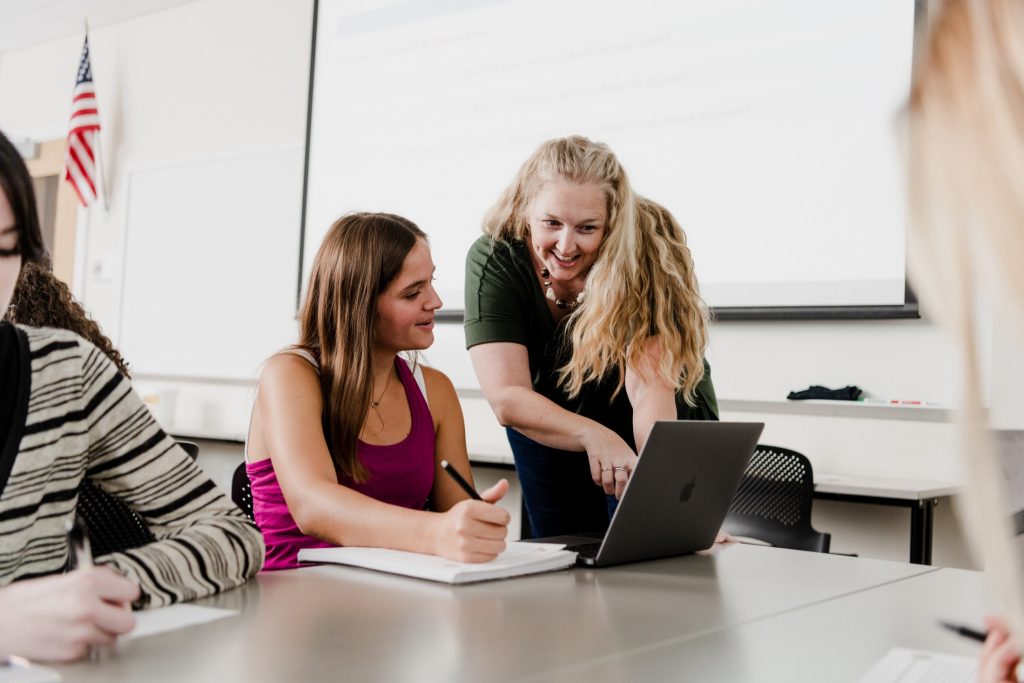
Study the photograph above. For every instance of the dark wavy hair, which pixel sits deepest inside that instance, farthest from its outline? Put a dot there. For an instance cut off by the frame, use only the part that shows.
(42, 300)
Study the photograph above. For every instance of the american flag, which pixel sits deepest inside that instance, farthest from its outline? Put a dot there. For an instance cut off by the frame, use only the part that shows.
(80, 158)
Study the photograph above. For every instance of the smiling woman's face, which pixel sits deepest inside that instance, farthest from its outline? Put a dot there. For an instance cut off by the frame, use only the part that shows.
(567, 223)
(405, 310)
(10, 253)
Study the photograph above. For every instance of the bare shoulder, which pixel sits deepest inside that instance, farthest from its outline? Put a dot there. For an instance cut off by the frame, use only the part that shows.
(442, 398)
(437, 383)
(288, 370)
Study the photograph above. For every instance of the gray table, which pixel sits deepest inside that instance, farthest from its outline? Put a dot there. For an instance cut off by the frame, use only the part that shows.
(919, 496)
(835, 640)
(335, 623)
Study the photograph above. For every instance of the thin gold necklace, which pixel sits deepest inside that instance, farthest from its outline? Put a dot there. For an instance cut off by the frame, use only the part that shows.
(376, 404)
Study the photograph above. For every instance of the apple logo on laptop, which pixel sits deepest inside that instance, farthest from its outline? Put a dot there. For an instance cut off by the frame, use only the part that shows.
(687, 491)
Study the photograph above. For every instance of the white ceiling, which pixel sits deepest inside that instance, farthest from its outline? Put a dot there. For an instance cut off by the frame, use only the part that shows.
(24, 23)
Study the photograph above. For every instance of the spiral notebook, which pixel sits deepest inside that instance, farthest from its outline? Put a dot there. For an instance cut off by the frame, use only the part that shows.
(518, 559)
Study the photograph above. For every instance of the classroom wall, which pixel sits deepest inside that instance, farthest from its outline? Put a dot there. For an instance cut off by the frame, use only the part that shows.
(218, 78)
(241, 84)
(202, 81)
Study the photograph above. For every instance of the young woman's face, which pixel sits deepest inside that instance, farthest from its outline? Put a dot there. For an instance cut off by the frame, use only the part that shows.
(567, 224)
(405, 310)
(10, 254)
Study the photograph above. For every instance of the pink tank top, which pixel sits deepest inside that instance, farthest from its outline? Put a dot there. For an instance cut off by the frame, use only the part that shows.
(400, 474)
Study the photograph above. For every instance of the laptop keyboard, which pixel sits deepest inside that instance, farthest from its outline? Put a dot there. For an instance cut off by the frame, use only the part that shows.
(585, 549)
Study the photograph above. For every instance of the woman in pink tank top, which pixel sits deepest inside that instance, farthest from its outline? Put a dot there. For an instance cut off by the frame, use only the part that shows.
(346, 436)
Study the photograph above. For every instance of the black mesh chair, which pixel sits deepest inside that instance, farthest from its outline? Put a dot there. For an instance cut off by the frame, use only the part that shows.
(241, 490)
(773, 501)
(112, 525)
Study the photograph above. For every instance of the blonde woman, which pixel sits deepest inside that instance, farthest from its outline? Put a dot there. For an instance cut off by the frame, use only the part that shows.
(967, 183)
(585, 326)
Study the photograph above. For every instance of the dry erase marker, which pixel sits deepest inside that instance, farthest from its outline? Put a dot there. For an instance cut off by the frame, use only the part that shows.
(463, 484)
(965, 631)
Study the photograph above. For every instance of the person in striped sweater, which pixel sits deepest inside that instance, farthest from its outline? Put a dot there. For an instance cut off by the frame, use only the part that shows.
(67, 414)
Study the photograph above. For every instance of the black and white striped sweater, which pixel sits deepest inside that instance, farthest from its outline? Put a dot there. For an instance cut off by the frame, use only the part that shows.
(84, 421)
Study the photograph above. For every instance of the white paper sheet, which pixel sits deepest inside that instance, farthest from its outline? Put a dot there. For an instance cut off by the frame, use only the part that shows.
(903, 665)
(152, 622)
(18, 670)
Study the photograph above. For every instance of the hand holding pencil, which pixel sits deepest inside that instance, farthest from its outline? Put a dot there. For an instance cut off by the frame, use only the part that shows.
(473, 530)
(1000, 655)
(61, 618)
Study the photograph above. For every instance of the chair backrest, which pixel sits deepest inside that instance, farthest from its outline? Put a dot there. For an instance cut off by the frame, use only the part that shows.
(241, 490)
(773, 501)
(113, 526)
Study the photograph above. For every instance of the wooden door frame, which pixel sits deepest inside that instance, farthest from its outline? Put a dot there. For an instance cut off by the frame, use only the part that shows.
(50, 162)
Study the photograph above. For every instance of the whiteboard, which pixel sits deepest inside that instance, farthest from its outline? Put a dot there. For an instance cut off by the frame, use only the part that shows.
(210, 265)
(767, 128)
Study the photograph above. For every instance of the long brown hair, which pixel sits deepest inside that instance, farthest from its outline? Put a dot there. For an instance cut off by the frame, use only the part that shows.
(359, 257)
(42, 300)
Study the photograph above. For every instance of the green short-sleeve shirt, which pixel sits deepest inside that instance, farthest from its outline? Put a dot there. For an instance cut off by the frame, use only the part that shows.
(505, 303)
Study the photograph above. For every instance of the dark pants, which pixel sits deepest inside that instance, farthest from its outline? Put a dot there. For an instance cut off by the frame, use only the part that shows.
(560, 497)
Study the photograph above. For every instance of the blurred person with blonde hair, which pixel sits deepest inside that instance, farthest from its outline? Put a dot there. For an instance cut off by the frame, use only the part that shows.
(585, 326)
(967, 191)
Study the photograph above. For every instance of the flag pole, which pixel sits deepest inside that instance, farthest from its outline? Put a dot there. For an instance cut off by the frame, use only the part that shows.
(102, 172)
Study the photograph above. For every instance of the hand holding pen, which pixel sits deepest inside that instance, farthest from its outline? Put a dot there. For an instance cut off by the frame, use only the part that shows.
(112, 610)
(58, 618)
(472, 530)
(1000, 656)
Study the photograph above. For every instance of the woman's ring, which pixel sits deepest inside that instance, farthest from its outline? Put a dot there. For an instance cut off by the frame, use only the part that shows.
(606, 469)
(620, 468)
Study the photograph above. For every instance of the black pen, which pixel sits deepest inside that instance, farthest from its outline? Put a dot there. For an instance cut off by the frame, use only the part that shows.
(463, 484)
(81, 550)
(965, 631)
(78, 537)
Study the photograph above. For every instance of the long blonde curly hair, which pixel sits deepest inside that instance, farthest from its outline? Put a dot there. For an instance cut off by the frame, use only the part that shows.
(642, 286)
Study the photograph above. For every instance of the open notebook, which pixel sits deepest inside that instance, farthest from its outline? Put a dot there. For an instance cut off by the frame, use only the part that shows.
(517, 560)
(904, 665)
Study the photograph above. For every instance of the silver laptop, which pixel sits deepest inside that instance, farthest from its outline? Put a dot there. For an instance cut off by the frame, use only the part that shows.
(678, 495)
